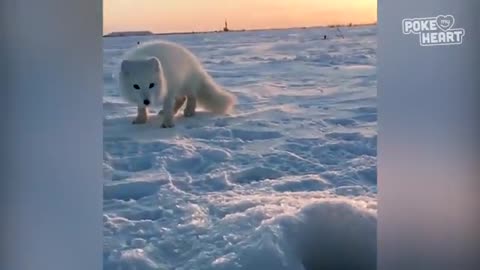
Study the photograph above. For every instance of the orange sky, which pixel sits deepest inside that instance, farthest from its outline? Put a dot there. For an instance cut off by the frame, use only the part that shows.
(206, 15)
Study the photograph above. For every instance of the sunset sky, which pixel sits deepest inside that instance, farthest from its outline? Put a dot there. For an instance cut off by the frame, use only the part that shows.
(207, 15)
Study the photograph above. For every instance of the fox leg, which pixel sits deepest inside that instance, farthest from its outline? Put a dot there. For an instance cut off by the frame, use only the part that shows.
(142, 116)
(168, 105)
(179, 101)
(191, 106)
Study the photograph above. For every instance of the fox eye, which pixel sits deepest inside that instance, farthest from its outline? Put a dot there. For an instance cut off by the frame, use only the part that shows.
(136, 86)
(151, 85)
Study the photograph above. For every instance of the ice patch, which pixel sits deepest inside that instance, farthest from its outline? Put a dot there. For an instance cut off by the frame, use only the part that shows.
(133, 190)
(255, 174)
(302, 184)
(250, 135)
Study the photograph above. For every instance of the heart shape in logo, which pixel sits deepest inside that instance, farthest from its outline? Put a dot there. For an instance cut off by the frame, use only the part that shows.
(445, 22)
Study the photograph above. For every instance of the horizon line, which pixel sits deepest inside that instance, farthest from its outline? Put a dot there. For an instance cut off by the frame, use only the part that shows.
(149, 32)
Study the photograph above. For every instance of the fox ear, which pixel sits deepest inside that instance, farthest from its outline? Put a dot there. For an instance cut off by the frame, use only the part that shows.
(125, 67)
(155, 63)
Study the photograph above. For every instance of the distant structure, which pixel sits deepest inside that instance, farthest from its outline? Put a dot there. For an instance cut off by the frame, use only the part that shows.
(129, 33)
(225, 29)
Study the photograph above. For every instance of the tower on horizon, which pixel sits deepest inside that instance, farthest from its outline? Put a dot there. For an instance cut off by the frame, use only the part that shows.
(225, 29)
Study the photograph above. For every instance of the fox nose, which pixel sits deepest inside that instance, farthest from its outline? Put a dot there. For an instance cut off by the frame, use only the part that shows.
(146, 102)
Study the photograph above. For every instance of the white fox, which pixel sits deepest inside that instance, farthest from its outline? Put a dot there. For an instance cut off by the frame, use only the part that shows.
(161, 70)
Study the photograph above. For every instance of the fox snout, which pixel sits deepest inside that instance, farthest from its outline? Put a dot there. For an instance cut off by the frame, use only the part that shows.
(146, 102)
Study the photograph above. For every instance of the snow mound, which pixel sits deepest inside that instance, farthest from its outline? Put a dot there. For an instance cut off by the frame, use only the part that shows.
(336, 235)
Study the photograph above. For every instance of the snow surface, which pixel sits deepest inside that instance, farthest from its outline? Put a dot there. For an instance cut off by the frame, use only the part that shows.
(288, 181)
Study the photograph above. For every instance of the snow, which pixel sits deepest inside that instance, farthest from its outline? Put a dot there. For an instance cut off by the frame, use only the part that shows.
(288, 181)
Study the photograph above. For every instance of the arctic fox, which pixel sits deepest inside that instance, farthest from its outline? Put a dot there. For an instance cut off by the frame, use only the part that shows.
(164, 71)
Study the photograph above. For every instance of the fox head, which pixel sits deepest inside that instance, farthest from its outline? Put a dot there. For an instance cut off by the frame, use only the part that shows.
(142, 81)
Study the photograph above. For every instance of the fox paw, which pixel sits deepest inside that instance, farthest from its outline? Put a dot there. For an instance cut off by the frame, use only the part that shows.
(168, 125)
(139, 121)
(189, 113)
